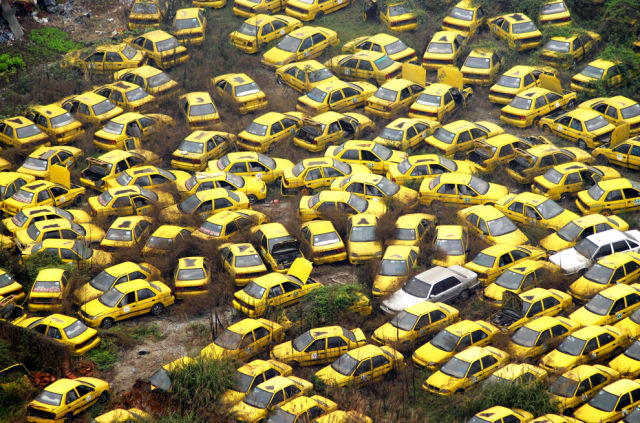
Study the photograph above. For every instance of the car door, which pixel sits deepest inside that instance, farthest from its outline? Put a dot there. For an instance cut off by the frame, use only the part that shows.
(61, 196)
(475, 373)
(72, 402)
(298, 78)
(363, 373)
(381, 365)
(277, 132)
(292, 292)
(320, 42)
(146, 299)
(336, 346)
(447, 193)
(365, 70)
(489, 365)
(127, 306)
(95, 62)
(337, 101)
(316, 353)
(437, 320)
(86, 396)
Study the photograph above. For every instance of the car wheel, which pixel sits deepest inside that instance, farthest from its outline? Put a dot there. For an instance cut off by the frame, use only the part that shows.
(459, 391)
(107, 323)
(601, 159)
(279, 80)
(157, 308)
(103, 397)
(464, 295)
(546, 129)
(305, 191)
(572, 104)
(252, 199)
(68, 418)
(582, 144)
(319, 15)
(77, 201)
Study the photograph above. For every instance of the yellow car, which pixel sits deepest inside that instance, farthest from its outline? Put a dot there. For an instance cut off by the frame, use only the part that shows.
(243, 340)
(9, 287)
(451, 242)
(611, 403)
(519, 309)
(65, 398)
(606, 197)
(304, 76)
(130, 125)
(412, 229)
(461, 136)
(340, 416)
(268, 129)
(540, 335)
(319, 346)
(585, 127)
(530, 105)
(443, 49)
(492, 261)
(303, 408)
(572, 232)
(58, 229)
(104, 58)
(275, 290)
(377, 188)
(415, 323)
(481, 67)
(248, 8)
(617, 110)
(363, 243)
(398, 17)
(120, 415)
(108, 165)
(239, 90)
(535, 210)
(327, 204)
(150, 177)
(56, 122)
(361, 366)
(371, 66)
(127, 232)
(501, 150)
(166, 238)
(609, 305)
(307, 42)
(584, 346)
(127, 300)
(465, 369)
(628, 363)
(465, 18)
(69, 331)
(11, 182)
(70, 251)
(192, 277)
(577, 386)
(49, 289)
(268, 395)
(255, 189)
(415, 168)
(323, 242)
(397, 265)
(195, 151)
(625, 154)
(517, 29)
(162, 49)
(311, 174)
(517, 79)
(566, 52)
(260, 30)
(28, 215)
(147, 13)
(125, 201)
(519, 277)
(21, 133)
(199, 109)
(439, 101)
(251, 164)
(91, 108)
(335, 95)
(458, 189)
(242, 262)
(43, 193)
(498, 413)
(534, 161)
(491, 225)
(563, 180)
(308, 10)
(227, 224)
(554, 12)
(393, 98)
(190, 26)
(39, 162)
(392, 46)
(250, 375)
(331, 128)
(216, 4)
(376, 157)
(126, 95)
(617, 268)
(598, 72)
(277, 246)
(405, 134)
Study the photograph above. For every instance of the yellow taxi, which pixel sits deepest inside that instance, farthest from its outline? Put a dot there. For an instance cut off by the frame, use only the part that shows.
(28, 215)
(304, 76)
(199, 109)
(127, 232)
(70, 251)
(412, 229)
(340, 416)
(254, 188)
(609, 305)
(308, 10)
(323, 241)
(625, 154)
(498, 413)
(371, 66)
(465, 369)
(250, 375)
(216, 4)
(574, 231)
(243, 340)
(555, 418)
(535, 210)
(21, 133)
(563, 180)
(91, 108)
(305, 408)
(461, 136)
(166, 238)
(492, 261)
(584, 346)
(162, 49)
(585, 127)
(38, 163)
(598, 72)
(393, 98)
(481, 67)
(311, 174)
(251, 164)
(577, 386)
(517, 79)
(11, 182)
(227, 224)
(397, 16)
(120, 415)
(267, 129)
(517, 29)
(130, 125)
(628, 363)
(361, 366)
(465, 18)
(69, 331)
(190, 26)
(611, 403)
(530, 105)
(451, 242)
(43, 193)
(443, 49)
(58, 229)
(192, 277)
(242, 262)
(566, 52)
(330, 203)
(162, 378)
(519, 309)
(319, 345)
(248, 8)
(517, 278)
(392, 46)
(491, 225)
(534, 161)
(56, 122)
(260, 30)
(65, 398)
(458, 189)
(415, 168)
(617, 110)
(126, 95)
(9, 286)
(453, 339)
(630, 325)
(147, 13)
(199, 147)
(500, 150)
(335, 95)
(307, 42)
(415, 323)
(239, 90)
(614, 269)
(108, 165)
(49, 288)
(377, 188)
(363, 243)
(540, 335)
(127, 300)
(397, 265)
(607, 197)
(125, 201)
(554, 12)
(376, 157)
(405, 134)
(439, 101)
(149, 177)
(331, 128)
(104, 58)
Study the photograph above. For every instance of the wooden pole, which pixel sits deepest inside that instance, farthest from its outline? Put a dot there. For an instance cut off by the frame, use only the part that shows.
(9, 14)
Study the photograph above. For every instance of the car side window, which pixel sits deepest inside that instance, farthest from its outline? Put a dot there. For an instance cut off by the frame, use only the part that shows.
(71, 396)
(550, 302)
(436, 316)
(475, 367)
(379, 361)
(336, 342)
(541, 102)
(318, 38)
(597, 379)
(528, 80)
(624, 401)
(488, 361)
(313, 174)
(558, 330)
(365, 65)
(83, 390)
(277, 398)
(592, 345)
(482, 225)
(145, 293)
(422, 322)
(464, 342)
(54, 333)
(478, 335)
(535, 308)
(306, 44)
(260, 333)
(364, 367)
(276, 128)
(317, 345)
(631, 267)
(543, 337)
(290, 287)
(614, 195)
(605, 250)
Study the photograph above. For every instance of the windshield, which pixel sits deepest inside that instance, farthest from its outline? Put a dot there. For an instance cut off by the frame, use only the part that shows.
(289, 43)
(564, 387)
(360, 204)
(257, 129)
(46, 286)
(32, 130)
(477, 62)
(595, 192)
(325, 239)
(593, 72)
(522, 27)
(525, 337)
(429, 100)
(398, 9)
(633, 351)
(168, 44)
(186, 23)
(404, 234)
(445, 341)
(161, 380)
(202, 109)
(61, 120)
(455, 368)
(144, 9)
(478, 185)
(102, 281)
(228, 340)
(501, 226)
(103, 107)
(136, 94)
(319, 75)
(35, 164)
(572, 346)
(462, 14)
(345, 364)
(586, 247)
(111, 297)
(417, 288)
(281, 416)
(113, 128)
(404, 320)
(627, 112)
(129, 52)
(559, 46)
(569, 232)
(444, 135)
(551, 8)
(159, 242)
(404, 165)
(189, 205)
(596, 123)
(114, 234)
(452, 247)
(317, 95)
(599, 305)
(395, 47)
(248, 29)
(248, 261)
(521, 103)
(159, 79)
(241, 381)
(510, 279)
(6, 280)
(384, 62)
(599, 274)
(49, 398)
(484, 260)
(258, 398)
(508, 81)
(381, 151)
(191, 147)
(190, 274)
(604, 401)
(23, 196)
(553, 176)
(440, 48)
(389, 188)
(301, 342)
(254, 290)
(362, 234)
(549, 209)
(247, 89)
(385, 94)
(75, 329)
(393, 268)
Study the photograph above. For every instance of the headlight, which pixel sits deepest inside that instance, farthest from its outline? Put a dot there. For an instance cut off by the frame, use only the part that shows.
(445, 391)
(354, 255)
(432, 363)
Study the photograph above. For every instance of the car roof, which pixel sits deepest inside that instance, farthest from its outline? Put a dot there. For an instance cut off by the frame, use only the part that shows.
(622, 386)
(319, 226)
(444, 36)
(450, 231)
(188, 12)
(190, 262)
(607, 237)
(50, 274)
(17, 121)
(363, 219)
(157, 35)
(397, 252)
(165, 231)
(242, 249)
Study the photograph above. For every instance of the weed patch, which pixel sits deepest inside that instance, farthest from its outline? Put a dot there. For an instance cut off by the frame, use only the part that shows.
(105, 355)
(152, 332)
(197, 385)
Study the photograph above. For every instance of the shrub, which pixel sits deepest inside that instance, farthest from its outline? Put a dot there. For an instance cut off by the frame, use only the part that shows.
(104, 356)
(198, 385)
(9, 63)
(53, 39)
(326, 304)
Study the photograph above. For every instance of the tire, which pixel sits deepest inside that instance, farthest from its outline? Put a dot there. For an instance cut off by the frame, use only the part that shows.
(319, 15)
(546, 129)
(572, 104)
(157, 309)
(464, 295)
(68, 418)
(582, 144)
(459, 391)
(104, 397)
(568, 412)
(602, 160)
(279, 80)
(252, 199)
(107, 323)
(78, 200)
(305, 191)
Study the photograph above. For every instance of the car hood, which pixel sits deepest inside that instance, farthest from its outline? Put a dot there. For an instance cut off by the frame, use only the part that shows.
(389, 333)
(400, 300)
(586, 318)
(331, 377)
(284, 352)
(443, 381)
(431, 354)
(558, 360)
(570, 260)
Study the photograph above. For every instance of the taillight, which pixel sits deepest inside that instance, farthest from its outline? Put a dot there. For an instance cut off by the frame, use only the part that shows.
(523, 118)
(567, 19)
(388, 76)
(195, 161)
(393, 179)
(285, 182)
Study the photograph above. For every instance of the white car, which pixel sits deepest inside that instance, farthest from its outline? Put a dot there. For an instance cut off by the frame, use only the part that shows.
(438, 284)
(594, 247)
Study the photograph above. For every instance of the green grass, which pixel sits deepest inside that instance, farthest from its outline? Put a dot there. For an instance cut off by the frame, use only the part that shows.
(152, 332)
(105, 355)
(198, 385)
(53, 39)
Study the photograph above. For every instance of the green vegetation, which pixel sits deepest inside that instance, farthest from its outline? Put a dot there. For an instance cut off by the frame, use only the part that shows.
(197, 385)
(10, 63)
(105, 355)
(153, 332)
(36, 262)
(53, 39)
(199, 330)
(327, 303)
